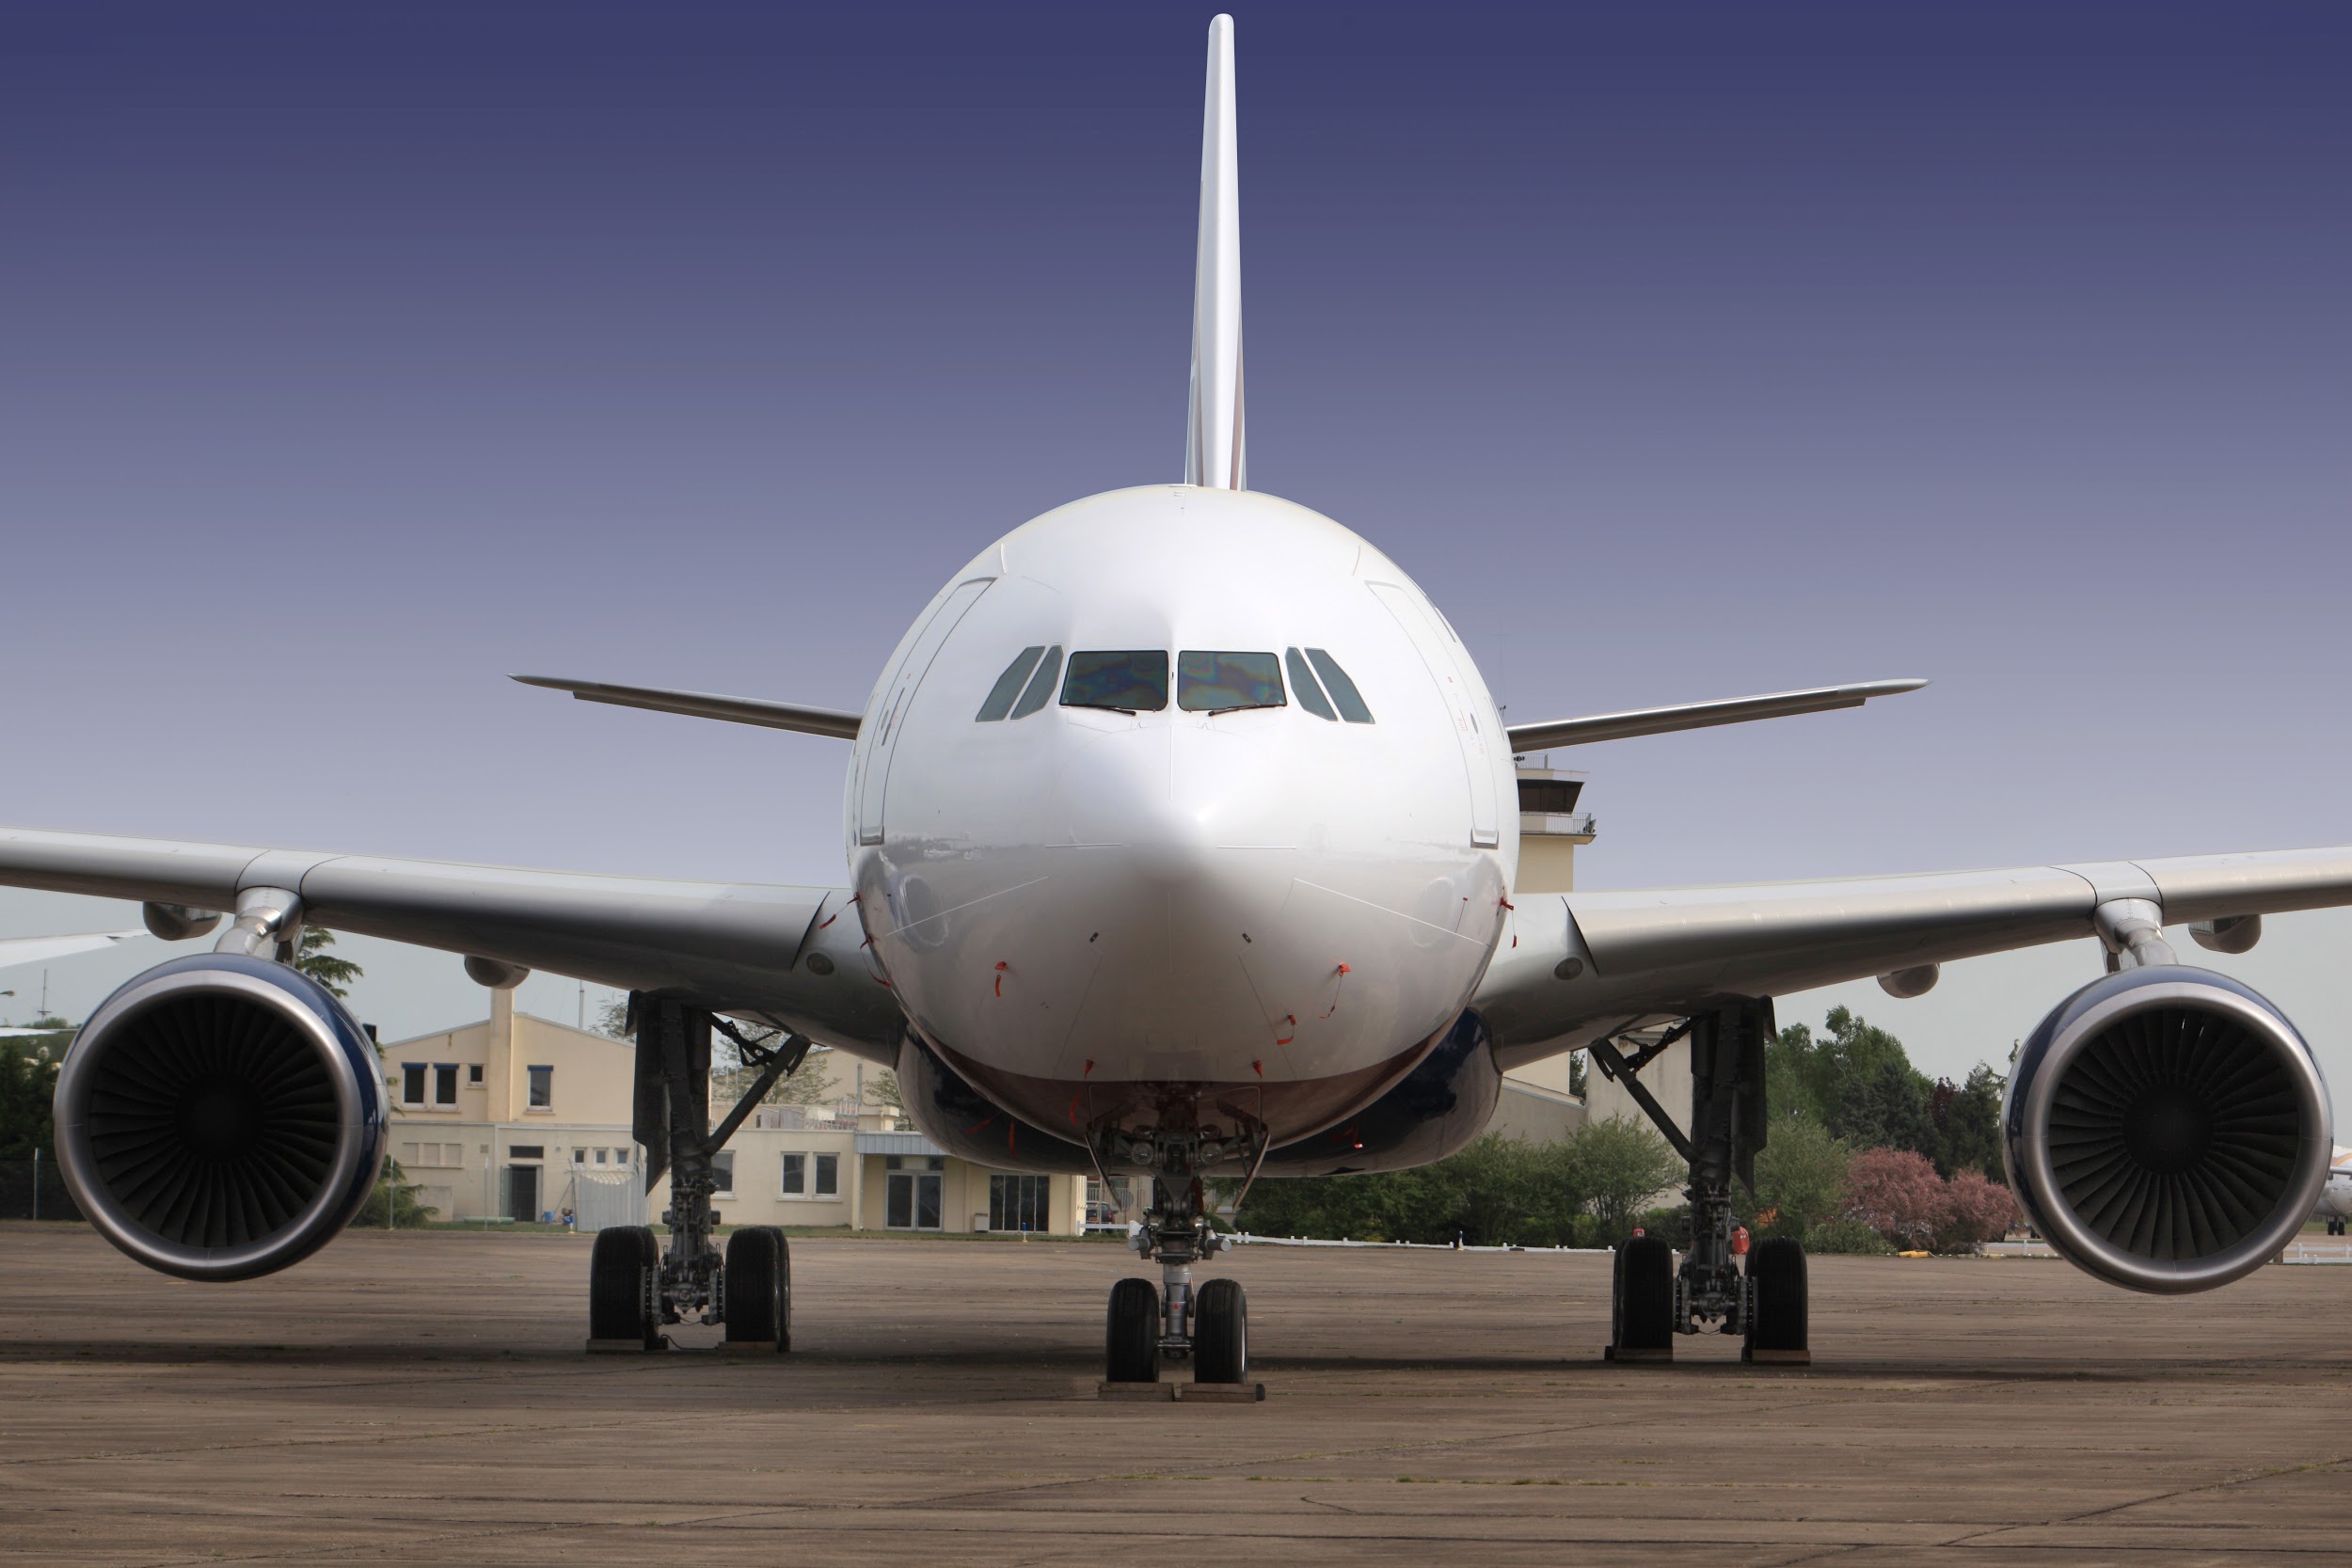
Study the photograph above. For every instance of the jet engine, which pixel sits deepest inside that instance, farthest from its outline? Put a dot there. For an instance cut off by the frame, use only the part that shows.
(221, 1118)
(2167, 1129)
(1436, 1109)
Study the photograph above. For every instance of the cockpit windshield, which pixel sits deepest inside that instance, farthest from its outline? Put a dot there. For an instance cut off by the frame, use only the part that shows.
(1128, 681)
(1221, 682)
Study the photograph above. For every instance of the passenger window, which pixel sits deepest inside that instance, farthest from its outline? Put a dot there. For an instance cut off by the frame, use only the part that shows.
(1130, 681)
(1008, 686)
(1343, 692)
(1311, 696)
(1221, 682)
(1041, 684)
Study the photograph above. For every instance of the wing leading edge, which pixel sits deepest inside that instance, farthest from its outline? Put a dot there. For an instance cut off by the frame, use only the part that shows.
(734, 947)
(1581, 964)
(1700, 715)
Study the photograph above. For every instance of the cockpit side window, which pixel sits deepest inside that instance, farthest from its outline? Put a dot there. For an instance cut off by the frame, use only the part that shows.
(1008, 686)
(1343, 692)
(1309, 695)
(1221, 682)
(1041, 684)
(1128, 680)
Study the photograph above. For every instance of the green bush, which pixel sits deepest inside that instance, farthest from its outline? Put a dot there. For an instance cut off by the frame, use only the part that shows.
(1847, 1236)
(1496, 1191)
(393, 1190)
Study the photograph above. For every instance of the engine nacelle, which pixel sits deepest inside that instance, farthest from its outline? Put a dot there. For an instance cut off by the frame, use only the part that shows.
(1444, 1102)
(2167, 1129)
(221, 1118)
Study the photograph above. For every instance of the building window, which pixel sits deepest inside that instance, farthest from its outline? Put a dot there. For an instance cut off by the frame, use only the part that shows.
(829, 1176)
(412, 1083)
(473, 1074)
(600, 1156)
(795, 1175)
(620, 1156)
(579, 1156)
(526, 1152)
(935, 1162)
(1020, 1202)
(542, 1088)
(445, 1084)
(892, 1161)
(722, 1174)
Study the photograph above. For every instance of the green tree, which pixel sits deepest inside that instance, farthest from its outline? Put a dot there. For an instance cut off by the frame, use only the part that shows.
(1968, 1124)
(312, 957)
(1800, 1178)
(395, 1192)
(28, 1079)
(1887, 1107)
(1620, 1165)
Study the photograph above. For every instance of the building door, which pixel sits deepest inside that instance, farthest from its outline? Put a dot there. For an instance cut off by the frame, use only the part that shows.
(522, 1193)
(916, 1200)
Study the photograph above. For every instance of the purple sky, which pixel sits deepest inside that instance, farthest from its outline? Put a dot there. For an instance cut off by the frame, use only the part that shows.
(353, 360)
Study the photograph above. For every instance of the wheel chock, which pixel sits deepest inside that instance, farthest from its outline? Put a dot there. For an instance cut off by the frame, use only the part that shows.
(1220, 1393)
(1147, 1392)
(1777, 1357)
(625, 1347)
(1629, 1353)
(747, 1347)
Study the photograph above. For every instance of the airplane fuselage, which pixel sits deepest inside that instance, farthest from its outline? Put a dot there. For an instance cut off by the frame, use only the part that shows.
(1170, 901)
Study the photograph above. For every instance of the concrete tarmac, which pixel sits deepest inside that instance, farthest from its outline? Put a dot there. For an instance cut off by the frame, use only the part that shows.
(422, 1398)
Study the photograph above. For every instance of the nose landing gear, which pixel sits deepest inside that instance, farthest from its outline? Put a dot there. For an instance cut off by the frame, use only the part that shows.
(1145, 1324)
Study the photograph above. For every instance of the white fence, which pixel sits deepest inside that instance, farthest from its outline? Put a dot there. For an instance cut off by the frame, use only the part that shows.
(602, 1202)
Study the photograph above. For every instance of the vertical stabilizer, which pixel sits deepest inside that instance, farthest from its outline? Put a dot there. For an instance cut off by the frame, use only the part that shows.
(1213, 439)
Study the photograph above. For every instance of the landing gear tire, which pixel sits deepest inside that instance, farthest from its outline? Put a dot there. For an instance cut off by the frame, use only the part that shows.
(1220, 1333)
(1778, 1324)
(1131, 1333)
(1642, 1302)
(759, 1288)
(619, 1295)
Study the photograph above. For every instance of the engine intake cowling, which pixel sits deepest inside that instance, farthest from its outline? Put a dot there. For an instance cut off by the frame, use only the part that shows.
(221, 1118)
(2167, 1129)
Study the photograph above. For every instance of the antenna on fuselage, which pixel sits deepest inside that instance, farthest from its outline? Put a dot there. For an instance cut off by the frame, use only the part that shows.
(1212, 435)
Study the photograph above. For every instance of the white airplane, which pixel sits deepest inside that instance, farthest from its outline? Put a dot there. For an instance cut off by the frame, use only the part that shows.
(2335, 1199)
(1108, 912)
(33, 950)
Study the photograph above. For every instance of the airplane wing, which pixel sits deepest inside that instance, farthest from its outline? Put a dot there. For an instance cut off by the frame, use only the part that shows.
(782, 955)
(709, 704)
(33, 950)
(1699, 716)
(1576, 966)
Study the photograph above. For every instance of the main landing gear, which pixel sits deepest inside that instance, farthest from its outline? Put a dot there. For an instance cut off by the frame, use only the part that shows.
(1651, 1299)
(634, 1289)
(1145, 1323)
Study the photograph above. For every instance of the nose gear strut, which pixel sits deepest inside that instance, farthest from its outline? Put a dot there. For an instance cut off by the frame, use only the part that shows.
(1175, 1231)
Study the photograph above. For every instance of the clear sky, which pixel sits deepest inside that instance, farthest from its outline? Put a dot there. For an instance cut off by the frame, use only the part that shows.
(351, 359)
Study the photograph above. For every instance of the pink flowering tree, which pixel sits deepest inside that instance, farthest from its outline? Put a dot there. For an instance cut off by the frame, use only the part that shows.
(1897, 1192)
(1981, 1210)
